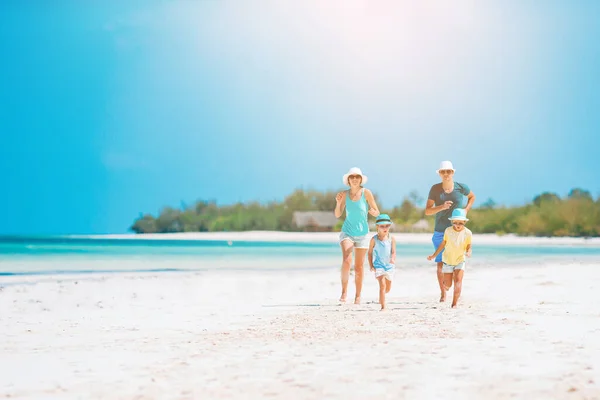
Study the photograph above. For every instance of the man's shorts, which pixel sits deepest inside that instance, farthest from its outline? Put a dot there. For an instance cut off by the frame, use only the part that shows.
(437, 238)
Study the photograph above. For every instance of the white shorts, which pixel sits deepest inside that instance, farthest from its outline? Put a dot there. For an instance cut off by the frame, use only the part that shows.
(360, 242)
(389, 274)
(448, 269)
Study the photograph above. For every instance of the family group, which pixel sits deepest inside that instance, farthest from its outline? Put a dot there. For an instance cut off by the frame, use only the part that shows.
(448, 200)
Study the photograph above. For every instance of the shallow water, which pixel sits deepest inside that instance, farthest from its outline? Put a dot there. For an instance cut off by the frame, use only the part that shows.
(61, 255)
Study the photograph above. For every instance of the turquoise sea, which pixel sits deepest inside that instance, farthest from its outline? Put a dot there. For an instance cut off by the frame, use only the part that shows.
(64, 255)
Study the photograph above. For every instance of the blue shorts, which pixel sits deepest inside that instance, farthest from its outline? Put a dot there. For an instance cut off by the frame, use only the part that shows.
(437, 238)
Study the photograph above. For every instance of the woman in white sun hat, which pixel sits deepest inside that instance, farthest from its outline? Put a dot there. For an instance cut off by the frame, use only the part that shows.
(358, 203)
(445, 197)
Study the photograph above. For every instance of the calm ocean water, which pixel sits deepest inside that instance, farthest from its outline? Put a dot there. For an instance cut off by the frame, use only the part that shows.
(55, 255)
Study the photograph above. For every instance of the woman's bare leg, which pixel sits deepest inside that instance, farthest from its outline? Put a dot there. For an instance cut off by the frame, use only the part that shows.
(382, 291)
(346, 246)
(359, 261)
(388, 285)
(458, 277)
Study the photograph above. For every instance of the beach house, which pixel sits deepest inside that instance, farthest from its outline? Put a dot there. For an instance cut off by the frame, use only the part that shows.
(314, 221)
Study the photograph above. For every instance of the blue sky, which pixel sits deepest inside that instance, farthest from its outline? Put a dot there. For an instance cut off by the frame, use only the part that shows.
(110, 110)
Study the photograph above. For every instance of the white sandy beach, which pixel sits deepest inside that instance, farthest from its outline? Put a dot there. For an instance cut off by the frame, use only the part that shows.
(520, 332)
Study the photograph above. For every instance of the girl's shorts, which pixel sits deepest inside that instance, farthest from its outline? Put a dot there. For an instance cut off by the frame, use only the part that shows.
(448, 269)
(389, 274)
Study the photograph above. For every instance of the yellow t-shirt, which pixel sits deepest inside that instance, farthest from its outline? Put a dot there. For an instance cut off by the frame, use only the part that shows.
(456, 245)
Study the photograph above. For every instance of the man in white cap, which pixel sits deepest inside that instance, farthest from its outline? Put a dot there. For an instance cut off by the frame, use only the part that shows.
(445, 197)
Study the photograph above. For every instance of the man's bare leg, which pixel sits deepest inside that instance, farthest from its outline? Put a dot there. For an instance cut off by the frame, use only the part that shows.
(440, 276)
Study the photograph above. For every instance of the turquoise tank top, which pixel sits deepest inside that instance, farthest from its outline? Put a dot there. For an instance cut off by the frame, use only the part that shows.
(356, 223)
(382, 253)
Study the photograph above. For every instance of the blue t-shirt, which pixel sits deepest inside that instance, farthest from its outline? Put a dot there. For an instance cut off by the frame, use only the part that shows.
(458, 197)
(356, 223)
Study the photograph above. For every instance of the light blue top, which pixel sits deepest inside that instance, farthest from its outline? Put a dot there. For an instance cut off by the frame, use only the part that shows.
(356, 223)
(382, 253)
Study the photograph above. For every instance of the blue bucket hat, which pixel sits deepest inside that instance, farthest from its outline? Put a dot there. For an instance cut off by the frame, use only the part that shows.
(459, 214)
(383, 219)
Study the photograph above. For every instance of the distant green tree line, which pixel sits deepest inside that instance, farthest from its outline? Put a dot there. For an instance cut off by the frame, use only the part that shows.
(577, 214)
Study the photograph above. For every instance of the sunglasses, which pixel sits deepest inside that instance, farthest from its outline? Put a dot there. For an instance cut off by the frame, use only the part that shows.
(354, 176)
(446, 171)
(457, 223)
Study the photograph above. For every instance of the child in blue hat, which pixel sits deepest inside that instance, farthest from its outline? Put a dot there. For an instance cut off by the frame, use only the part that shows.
(456, 244)
(382, 256)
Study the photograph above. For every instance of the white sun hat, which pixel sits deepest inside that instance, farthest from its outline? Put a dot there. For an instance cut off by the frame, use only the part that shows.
(445, 165)
(354, 171)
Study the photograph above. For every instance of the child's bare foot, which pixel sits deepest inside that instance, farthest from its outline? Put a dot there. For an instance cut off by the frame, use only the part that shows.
(454, 305)
(443, 298)
(342, 299)
(383, 308)
(357, 300)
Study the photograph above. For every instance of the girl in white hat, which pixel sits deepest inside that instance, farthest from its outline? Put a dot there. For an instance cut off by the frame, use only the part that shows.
(358, 203)
(382, 256)
(455, 245)
(444, 198)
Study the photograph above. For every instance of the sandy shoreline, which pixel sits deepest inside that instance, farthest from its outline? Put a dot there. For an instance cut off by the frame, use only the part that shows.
(529, 332)
(332, 237)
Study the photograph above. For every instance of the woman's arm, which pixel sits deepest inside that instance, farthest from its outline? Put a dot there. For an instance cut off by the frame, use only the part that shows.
(393, 259)
(340, 204)
(373, 209)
